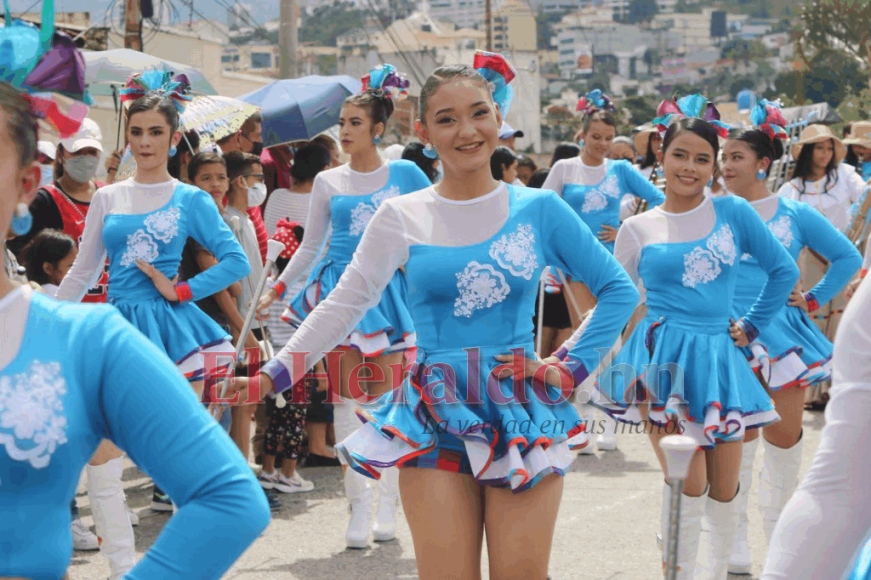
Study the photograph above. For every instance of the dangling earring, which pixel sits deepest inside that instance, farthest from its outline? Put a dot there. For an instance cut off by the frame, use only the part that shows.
(22, 221)
(430, 152)
(172, 151)
(581, 143)
(376, 139)
(659, 172)
(711, 181)
(760, 175)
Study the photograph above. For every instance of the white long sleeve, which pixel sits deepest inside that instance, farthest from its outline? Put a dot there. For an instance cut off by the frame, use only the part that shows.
(556, 177)
(830, 512)
(91, 258)
(382, 251)
(317, 224)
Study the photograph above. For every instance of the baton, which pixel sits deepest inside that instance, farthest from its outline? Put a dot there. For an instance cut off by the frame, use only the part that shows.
(678, 451)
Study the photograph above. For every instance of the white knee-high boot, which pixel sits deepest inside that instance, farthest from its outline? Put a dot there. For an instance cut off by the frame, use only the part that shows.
(587, 413)
(607, 440)
(777, 480)
(689, 526)
(384, 529)
(109, 509)
(357, 488)
(741, 560)
(714, 550)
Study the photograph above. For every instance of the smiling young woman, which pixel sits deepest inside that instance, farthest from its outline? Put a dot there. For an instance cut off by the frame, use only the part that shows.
(680, 368)
(472, 279)
(791, 352)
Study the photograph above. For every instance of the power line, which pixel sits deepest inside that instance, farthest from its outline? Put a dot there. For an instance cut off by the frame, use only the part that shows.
(418, 73)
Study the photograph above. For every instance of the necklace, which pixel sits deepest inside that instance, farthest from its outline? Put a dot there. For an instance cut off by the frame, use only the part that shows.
(70, 200)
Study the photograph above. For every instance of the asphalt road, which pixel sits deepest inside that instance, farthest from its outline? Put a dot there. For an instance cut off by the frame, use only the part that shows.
(606, 528)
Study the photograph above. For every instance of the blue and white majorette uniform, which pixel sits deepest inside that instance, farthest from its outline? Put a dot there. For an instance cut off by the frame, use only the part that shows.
(791, 351)
(595, 193)
(343, 201)
(72, 375)
(681, 360)
(132, 221)
(472, 283)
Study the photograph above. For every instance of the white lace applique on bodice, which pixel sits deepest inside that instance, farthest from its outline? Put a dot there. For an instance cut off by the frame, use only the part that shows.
(703, 265)
(480, 286)
(515, 252)
(362, 214)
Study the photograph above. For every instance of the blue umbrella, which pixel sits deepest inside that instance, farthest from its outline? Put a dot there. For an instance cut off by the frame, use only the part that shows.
(300, 109)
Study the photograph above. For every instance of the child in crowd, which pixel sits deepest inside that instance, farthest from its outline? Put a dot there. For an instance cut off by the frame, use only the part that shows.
(48, 257)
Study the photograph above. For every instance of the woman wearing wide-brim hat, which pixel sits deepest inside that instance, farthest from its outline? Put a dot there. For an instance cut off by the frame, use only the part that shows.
(860, 141)
(820, 179)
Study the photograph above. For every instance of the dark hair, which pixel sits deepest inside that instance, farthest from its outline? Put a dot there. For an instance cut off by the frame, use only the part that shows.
(414, 152)
(50, 246)
(649, 156)
(564, 151)
(526, 161)
(538, 178)
(603, 116)
(698, 127)
(249, 123)
(762, 145)
(21, 125)
(238, 163)
(154, 101)
(308, 162)
(851, 158)
(443, 74)
(804, 167)
(325, 141)
(502, 156)
(377, 107)
(201, 159)
(190, 139)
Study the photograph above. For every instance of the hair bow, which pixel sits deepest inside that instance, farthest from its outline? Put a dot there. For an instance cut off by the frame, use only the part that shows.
(384, 81)
(176, 88)
(766, 116)
(594, 101)
(45, 65)
(498, 73)
(696, 106)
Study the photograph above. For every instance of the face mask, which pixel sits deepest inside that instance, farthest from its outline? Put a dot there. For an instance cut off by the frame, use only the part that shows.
(256, 194)
(256, 148)
(47, 175)
(81, 169)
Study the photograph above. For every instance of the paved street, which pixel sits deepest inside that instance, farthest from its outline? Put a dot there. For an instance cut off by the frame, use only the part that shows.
(606, 529)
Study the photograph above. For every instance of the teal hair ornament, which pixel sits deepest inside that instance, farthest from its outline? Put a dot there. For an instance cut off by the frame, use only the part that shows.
(690, 106)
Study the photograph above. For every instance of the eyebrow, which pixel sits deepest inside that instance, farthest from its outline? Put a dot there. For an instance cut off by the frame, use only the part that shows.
(448, 110)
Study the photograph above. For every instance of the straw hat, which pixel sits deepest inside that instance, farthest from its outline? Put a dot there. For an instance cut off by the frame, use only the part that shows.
(817, 134)
(860, 134)
(642, 138)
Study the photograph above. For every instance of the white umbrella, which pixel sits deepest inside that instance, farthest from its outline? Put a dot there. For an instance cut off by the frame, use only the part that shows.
(215, 117)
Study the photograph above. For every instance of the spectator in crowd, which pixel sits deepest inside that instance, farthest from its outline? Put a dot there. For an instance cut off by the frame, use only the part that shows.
(525, 168)
(414, 152)
(564, 151)
(503, 164)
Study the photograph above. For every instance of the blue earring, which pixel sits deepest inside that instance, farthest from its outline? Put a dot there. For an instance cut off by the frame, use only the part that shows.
(659, 172)
(430, 152)
(760, 175)
(581, 143)
(22, 221)
(376, 139)
(172, 151)
(711, 181)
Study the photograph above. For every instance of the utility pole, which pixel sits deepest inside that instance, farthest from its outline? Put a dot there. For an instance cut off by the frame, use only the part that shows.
(287, 38)
(488, 16)
(132, 25)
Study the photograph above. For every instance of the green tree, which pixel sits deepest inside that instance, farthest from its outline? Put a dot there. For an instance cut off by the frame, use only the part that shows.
(825, 24)
(545, 22)
(329, 21)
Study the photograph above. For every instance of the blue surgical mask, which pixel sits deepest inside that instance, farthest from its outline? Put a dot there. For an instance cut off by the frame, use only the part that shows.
(47, 175)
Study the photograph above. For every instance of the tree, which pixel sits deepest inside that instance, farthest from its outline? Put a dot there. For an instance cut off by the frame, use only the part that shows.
(545, 22)
(831, 77)
(836, 25)
(642, 11)
(329, 21)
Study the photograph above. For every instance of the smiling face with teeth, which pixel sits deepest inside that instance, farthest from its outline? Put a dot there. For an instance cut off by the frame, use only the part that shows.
(687, 159)
(462, 123)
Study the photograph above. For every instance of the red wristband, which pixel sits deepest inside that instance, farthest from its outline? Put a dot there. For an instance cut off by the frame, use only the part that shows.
(862, 272)
(183, 291)
(280, 288)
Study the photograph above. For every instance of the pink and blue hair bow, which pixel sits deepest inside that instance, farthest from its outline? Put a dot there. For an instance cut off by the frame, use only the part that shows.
(499, 73)
(384, 81)
(595, 101)
(176, 88)
(766, 116)
(696, 106)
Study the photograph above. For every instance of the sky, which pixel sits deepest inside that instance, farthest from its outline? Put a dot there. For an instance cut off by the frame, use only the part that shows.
(266, 9)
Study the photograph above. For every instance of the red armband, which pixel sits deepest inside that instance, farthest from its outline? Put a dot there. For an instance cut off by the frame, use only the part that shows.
(183, 292)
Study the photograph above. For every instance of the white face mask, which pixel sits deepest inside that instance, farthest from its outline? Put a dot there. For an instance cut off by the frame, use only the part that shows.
(256, 195)
(83, 168)
(47, 174)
